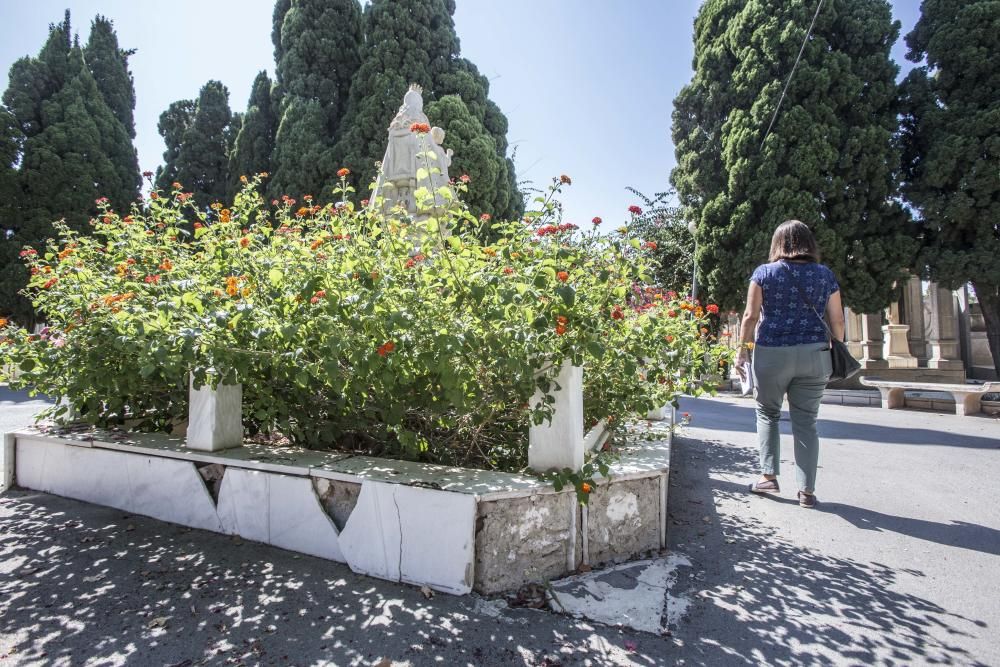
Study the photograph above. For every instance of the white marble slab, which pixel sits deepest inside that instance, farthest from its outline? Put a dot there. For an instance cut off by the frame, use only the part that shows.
(280, 510)
(7, 462)
(417, 535)
(243, 502)
(170, 490)
(297, 520)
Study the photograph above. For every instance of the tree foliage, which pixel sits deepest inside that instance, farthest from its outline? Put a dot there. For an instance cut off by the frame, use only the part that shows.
(662, 222)
(951, 132)
(317, 51)
(414, 41)
(830, 159)
(254, 144)
(198, 136)
(109, 65)
(69, 149)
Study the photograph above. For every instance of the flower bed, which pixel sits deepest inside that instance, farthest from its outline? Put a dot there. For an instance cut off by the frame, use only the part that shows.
(353, 330)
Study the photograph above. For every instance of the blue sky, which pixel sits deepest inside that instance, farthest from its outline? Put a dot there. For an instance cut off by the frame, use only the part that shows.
(587, 87)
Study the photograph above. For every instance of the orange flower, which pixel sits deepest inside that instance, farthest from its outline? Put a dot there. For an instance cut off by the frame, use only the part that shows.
(698, 312)
(565, 180)
(3, 322)
(315, 244)
(154, 195)
(65, 253)
(586, 488)
(508, 270)
(489, 252)
(562, 276)
(617, 314)
(561, 319)
(232, 285)
(244, 242)
(225, 215)
(303, 211)
(422, 128)
(317, 296)
(176, 186)
(712, 308)
(166, 265)
(50, 282)
(343, 172)
(560, 329)
(669, 339)
(243, 179)
(651, 245)
(386, 348)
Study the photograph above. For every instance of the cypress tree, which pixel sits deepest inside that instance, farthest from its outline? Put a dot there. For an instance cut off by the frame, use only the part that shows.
(952, 155)
(174, 122)
(109, 65)
(254, 144)
(317, 50)
(414, 41)
(203, 154)
(12, 271)
(72, 150)
(829, 160)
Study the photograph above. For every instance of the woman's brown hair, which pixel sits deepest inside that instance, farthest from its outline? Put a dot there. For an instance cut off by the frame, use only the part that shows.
(793, 240)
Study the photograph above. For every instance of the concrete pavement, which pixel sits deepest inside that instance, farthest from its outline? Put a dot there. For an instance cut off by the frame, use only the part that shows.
(900, 564)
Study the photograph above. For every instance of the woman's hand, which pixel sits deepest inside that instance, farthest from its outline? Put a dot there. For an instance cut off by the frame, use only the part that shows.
(742, 359)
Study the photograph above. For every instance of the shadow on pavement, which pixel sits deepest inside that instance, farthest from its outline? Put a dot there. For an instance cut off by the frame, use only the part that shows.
(765, 600)
(85, 584)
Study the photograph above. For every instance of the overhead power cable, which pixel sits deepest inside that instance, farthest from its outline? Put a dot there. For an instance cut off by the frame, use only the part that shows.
(781, 99)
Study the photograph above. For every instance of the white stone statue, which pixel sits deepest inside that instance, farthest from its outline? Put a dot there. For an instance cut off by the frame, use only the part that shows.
(406, 153)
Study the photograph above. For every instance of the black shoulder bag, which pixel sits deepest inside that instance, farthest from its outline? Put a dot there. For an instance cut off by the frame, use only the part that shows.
(844, 364)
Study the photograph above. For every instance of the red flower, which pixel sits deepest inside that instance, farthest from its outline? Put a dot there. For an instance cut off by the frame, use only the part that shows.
(671, 313)
(464, 178)
(562, 276)
(634, 210)
(410, 263)
(28, 252)
(198, 225)
(147, 174)
(565, 180)
(364, 202)
(585, 487)
(422, 128)
(560, 329)
(712, 308)
(617, 314)
(343, 172)
(485, 217)
(317, 296)
(153, 279)
(101, 201)
(597, 220)
(386, 348)
(508, 270)
(651, 245)
(50, 282)
(244, 242)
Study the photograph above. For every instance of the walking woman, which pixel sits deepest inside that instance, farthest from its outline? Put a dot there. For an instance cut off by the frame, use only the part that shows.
(791, 351)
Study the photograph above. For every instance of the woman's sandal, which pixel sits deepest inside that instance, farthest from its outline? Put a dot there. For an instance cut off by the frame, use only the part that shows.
(807, 500)
(765, 486)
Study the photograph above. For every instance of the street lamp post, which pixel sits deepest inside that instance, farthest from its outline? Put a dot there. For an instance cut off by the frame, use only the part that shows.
(694, 261)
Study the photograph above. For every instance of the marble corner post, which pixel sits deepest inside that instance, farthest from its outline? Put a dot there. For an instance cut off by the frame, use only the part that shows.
(215, 417)
(871, 341)
(559, 444)
(895, 341)
(943, 338)
(913, 314)
(7, 450)
(853, 335)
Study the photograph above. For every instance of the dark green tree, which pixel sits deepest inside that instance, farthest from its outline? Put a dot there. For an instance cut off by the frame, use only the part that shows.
(72, 150)
(202, 163)
(109, 65)
(663, 223)
(174, 122)
(255, 141)
(951, 133)
(414, 41)
(317, 50)
(830, 159)
(12, 271)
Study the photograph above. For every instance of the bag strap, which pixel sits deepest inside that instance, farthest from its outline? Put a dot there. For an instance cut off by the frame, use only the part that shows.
(802, 296)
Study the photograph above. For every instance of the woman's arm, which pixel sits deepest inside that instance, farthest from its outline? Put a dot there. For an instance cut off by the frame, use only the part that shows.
(755, 296)
(751, 316)
(835, 315)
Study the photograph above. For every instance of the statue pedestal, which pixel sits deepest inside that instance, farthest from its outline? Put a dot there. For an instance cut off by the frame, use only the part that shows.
(896, 346)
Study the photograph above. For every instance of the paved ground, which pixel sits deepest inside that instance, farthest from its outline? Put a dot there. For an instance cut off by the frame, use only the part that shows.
(899, 565)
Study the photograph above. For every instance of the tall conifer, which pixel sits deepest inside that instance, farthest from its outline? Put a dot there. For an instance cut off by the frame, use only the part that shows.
(255, 141)
(830, 159)
(952, 138)
(202, 164)
(317, 50)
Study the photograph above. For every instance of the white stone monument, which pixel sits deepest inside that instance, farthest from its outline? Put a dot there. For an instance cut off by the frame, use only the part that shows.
(413, 160)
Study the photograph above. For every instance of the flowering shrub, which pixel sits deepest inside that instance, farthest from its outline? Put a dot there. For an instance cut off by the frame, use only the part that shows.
(351, 329)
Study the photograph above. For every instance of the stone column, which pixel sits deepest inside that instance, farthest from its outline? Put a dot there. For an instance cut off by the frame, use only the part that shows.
(895, 343)
(943, 338)
(559, 444)
(871, 341)
(852, 330)
(913, 315)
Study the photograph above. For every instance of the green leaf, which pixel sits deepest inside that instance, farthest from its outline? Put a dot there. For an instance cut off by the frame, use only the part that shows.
(595, 349)
(568, 295)
(275, 276)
